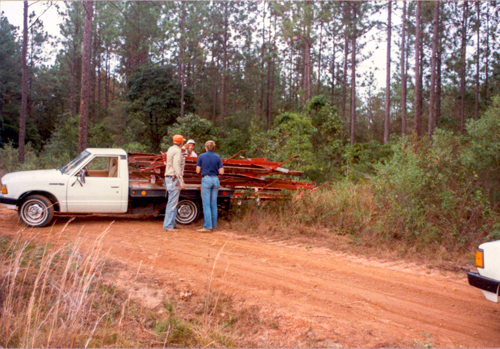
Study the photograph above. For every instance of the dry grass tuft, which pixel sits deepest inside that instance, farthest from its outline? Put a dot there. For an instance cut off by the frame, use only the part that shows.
(48, 294)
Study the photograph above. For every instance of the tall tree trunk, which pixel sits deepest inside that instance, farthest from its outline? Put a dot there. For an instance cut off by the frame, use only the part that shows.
(463, 65)
(388, 76)
(403, 71)
(260, 111)
(438, 69)
(72, 87)
(476, 106)
(370, 110)
(93, 85)
(224, 65)
(24, 87)
(421, 75)
(74, 69)
(306, 79)
(108, 81)
(333, 73)
(438, 83)
(270, 75)
(344, 83)
(181, 58)
(216, 89)
(418, 86)
(85, 91)
(319, 58)
(487, 63)
(270, 88)
(432, 121)
(99, 63)
(353, 74)
(290, 79)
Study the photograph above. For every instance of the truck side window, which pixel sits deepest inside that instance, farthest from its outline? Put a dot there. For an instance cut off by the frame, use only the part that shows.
(103, 166)
(113, 167)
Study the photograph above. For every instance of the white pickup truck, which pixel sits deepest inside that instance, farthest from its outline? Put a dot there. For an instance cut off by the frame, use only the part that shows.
(488, 265)
(96, 181)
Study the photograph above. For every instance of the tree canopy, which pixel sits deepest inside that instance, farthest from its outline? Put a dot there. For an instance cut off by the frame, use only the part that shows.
(154, 93)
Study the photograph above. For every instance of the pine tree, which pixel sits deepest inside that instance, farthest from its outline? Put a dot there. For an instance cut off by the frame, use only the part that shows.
(432, 118)
(418, 81)
(86, 72)
(388, 75)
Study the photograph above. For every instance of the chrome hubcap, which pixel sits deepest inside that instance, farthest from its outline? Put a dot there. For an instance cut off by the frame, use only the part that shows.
(35, 211)
(185, 210)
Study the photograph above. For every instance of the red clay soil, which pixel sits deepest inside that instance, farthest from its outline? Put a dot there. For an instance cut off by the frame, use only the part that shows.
(329, 298)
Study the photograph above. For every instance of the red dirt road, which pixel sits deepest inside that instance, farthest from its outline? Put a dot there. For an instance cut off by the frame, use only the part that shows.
(318, 297)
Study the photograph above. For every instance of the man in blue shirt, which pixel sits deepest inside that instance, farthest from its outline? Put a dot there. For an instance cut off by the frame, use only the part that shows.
(209, 165)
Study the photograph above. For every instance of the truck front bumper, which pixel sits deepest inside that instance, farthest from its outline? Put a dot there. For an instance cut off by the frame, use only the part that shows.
(484, 284)
(7, 201)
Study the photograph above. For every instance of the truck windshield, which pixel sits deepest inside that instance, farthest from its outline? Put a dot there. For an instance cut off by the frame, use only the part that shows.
(75, 162)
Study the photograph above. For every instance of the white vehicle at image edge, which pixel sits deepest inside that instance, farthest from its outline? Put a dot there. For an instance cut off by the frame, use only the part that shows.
(488, 265)
(96, 181)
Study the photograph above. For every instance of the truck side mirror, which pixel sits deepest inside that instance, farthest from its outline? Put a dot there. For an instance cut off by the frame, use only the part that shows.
(80, 177)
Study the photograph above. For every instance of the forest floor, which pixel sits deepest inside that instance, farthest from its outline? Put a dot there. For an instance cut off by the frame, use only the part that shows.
(305, 295)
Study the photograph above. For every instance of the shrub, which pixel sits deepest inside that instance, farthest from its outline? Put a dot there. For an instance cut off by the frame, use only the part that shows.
(191, 126)
(9, 159)
(482, 153)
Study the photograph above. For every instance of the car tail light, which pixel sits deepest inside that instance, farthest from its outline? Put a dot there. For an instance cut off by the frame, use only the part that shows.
(4, 189)
(480, 258)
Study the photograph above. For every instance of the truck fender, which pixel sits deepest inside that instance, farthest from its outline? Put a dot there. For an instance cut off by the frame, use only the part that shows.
(48, 195)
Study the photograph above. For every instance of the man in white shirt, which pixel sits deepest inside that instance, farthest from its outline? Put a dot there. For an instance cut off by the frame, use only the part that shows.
(188, 149)
(174, 181)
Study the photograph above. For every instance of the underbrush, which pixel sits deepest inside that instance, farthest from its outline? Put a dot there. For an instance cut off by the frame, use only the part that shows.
(32, 159)
(355, 217)
(427, 201)
(59, 297)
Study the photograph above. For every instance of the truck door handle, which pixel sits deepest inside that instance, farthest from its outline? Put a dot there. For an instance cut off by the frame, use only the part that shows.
(115, 186)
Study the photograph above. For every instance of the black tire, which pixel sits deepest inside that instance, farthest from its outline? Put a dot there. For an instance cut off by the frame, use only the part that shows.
(36, 211)
(188, 211)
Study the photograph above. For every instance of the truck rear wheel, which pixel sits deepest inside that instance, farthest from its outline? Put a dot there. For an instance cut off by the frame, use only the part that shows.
(188, 211)
(36, 211)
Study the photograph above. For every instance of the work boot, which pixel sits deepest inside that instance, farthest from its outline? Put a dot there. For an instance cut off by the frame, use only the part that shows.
(204, 230)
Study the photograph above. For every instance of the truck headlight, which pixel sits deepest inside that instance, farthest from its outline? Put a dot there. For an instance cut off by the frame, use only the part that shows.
(4, 190)
(480, 258)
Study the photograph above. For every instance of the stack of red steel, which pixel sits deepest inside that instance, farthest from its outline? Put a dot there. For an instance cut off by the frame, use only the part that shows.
(258, 174)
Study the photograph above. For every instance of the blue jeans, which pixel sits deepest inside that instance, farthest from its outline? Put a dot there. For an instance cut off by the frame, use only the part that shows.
(173, 189)
(209, 193)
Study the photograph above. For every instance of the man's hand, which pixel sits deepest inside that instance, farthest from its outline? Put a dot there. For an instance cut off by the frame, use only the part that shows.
(183, 185)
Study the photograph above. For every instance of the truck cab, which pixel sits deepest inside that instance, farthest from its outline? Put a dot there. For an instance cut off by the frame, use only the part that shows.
(96, 181)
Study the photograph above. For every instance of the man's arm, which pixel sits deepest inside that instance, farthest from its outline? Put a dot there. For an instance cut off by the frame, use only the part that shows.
(221, 167)
(179, 171)
(198, 164)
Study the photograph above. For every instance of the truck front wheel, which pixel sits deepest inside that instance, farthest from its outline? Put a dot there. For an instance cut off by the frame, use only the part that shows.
(36, 211)
(188, 211)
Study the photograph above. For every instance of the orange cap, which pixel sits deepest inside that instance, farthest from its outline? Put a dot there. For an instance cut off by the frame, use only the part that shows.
(178, 139)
